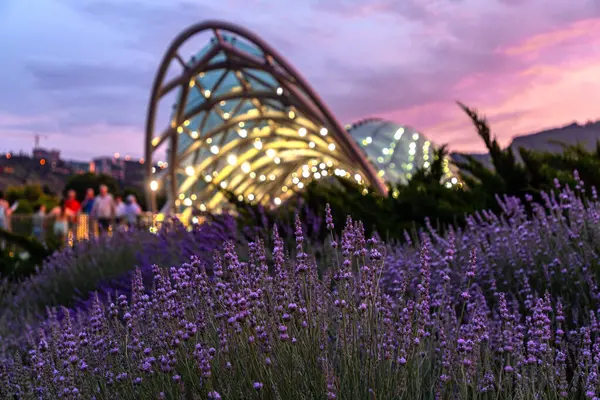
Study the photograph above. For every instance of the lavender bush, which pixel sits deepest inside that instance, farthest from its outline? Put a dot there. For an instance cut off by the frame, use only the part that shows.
(503, 309)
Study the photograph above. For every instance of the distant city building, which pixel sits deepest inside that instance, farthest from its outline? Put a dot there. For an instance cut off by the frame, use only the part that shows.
(134, 170)
(79, 167)
(48, 155)
(111, 166)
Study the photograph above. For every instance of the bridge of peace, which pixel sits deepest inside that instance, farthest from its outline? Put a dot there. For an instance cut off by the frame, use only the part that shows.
(239, 118)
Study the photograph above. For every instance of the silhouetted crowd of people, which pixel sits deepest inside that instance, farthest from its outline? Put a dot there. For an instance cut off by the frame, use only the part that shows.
(104, 213)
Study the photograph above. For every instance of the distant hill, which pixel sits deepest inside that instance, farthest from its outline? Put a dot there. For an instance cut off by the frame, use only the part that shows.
(586, 135)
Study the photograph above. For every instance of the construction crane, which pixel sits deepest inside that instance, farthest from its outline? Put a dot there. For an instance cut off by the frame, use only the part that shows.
(37, 138)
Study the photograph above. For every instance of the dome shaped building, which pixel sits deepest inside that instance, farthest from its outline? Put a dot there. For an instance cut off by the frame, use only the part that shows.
(396, 151)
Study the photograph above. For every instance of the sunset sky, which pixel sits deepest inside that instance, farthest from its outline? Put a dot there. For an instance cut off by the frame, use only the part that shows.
(80, 71)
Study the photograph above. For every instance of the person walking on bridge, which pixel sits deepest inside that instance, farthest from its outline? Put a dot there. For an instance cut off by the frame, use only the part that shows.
(103, 209)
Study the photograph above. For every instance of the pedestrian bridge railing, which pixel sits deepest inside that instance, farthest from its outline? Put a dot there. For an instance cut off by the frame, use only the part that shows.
(82, 228)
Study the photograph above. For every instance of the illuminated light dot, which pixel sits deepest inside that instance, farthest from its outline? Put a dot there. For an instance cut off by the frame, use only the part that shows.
(243, 133)
(209, 140)
(223, 184)
(214, 149)
(448, 185)
(207, 93)
(323, 132)
(279, 91)
(272, 177)
(223, 102)
(306, 174)
(385, 151)
(186, 122)
(181, 196)
(240, 198)
(324, 173)
(311, 145)
(380, 159)
(322, 166)
(226, 115)
(241, 124)
(305, 166)
(395, 194)
(411, 152)
(189, 170)
(365, 192)
(194, 135)
(329, 163)
(277, 200)
(153, 169)
(179, 129)
(153, 186)
(317, 175)
(252, 174)
(215, 173)
(369, 140)
(194, 197)
(277, 160)
(187, 202)
(284, 189)
(246, 167)
(271, 153)
(415, 136)
(262, 178)
(412, 145)
(314, 169)
(381, 173)
(427, 143)
(454, 181)
(258, 144)
(208, 178)
(398, 133)
(300, 185)
(192, 83)
(154, 143)
(358, 178)
(202, 207)
(231, 159)
(292, 114)
(409, 166)
(295, 180)
(194, 220)
(302, 132)
(331, 146)
(408, 176)
(250, 197)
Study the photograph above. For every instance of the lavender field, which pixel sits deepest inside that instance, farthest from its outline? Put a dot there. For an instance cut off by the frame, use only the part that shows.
(505, 308)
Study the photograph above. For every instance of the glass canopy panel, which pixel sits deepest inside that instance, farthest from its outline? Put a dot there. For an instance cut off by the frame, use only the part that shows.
(239, 132)
(396, 151)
